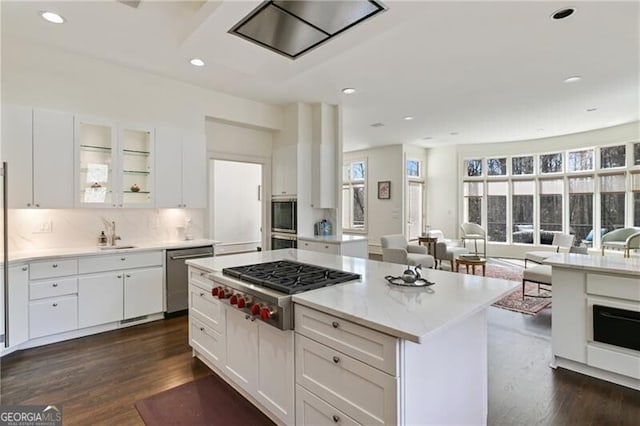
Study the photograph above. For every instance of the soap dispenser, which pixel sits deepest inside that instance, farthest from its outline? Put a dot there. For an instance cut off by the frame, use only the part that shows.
(102, 239)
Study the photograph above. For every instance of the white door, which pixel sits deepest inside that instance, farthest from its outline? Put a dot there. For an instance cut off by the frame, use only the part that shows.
(99, 299)
(169, 164)
(242, 350)
(18, 304)
(17, 151)
(415, 191)
(142, 292)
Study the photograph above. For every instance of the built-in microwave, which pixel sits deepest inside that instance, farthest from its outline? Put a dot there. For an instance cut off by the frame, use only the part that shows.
(284, 215)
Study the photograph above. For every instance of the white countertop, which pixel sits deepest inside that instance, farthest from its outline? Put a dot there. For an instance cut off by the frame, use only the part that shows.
(333, 238)
(407, 313)
(610, 264)
(28, 255)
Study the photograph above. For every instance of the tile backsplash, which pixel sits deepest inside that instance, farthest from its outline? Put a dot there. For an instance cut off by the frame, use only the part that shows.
(46, 229)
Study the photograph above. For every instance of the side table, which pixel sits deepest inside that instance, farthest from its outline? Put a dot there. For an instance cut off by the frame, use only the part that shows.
(430, 242)
(471, 262)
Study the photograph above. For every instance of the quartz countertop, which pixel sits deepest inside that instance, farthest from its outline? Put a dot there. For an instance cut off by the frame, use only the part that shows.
(610, 264)
(333, 238)
(35, 254)
(407, 313)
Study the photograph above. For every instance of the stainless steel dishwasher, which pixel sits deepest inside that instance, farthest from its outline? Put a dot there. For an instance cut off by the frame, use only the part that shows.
(178, 277)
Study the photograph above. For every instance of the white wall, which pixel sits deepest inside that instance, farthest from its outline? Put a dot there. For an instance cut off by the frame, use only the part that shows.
(442, 190)
(46, 77)
(78, 228)
(236, 139)
(384, 217)
(237, 213)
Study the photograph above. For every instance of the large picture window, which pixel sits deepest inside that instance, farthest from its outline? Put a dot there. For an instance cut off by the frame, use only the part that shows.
(354, 195)
(522, 211)
(635, 188)
(612, 202)
(551, 191)
(522, 165)
(581, 208)
(551, 163)
(613, 156)
(497, 211)
(473, 194)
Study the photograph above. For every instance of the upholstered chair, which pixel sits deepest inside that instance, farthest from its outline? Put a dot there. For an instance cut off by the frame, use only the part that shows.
(624, 239)
(447, 249)
(559, 241)
(475, 232)
(395, 249)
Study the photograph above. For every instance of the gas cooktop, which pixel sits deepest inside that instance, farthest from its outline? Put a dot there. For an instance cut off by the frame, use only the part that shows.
(289, 277)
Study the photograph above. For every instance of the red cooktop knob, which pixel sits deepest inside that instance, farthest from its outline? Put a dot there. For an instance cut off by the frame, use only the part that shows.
(241, 303)
(221, 293)
(214, 291)
(233, 299)
(265, 313)
(255, 309)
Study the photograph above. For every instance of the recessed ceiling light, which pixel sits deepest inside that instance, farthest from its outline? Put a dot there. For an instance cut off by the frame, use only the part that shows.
(377, 124)
(563, 13)
(197, 62)
(591, 109)
(348, 90)
(426, 138)
(541, 130)
(454, 133)
(54, 18)
(408, 118)
(572, 79)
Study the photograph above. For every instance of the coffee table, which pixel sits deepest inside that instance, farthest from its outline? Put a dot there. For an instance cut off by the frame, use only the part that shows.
(471, 262)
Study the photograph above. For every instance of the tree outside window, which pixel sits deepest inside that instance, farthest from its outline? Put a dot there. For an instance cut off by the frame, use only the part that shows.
(612, 197)
(473, 193)
(636, 154)
(474, 167)
(354, 195)
(550, 204)
(581, 207)
(497, 166)
(551, 163)
(578, 161)
(522, 211)
(497, 211)
(522, 165)
(613, 156)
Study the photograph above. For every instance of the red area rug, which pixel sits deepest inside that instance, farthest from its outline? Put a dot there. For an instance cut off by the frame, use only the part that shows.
(513, 301)
(206, 401)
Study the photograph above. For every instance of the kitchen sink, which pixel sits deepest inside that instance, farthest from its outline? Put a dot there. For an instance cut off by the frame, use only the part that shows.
(116, 247)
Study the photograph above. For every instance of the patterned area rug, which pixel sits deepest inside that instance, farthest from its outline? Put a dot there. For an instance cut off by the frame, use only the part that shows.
(513, 301)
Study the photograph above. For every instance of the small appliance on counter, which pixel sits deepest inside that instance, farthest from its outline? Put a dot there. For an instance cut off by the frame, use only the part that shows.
(322, 228)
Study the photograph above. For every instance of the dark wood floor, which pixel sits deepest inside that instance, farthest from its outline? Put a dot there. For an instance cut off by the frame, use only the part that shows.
(97, 379)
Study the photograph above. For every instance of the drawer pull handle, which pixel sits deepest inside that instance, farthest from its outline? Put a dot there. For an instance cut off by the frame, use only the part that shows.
(201, 328)
(335, 324)
(128, 275)
(326, 247)
(202, 274)
(55, 265)
(123, 258)
(119, 276)
(336, 359)
(335, 418)
(55, 284)
(201, 294)
(55, 304)
(24, 268)
(247, 317)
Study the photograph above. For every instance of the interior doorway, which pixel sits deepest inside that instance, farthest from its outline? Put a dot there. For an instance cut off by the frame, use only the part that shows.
(235, 214)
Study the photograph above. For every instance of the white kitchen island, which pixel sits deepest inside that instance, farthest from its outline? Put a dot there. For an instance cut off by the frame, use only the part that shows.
(579, 283)
(367, 352)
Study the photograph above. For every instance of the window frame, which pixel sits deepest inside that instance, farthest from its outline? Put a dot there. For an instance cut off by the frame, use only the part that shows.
(349, 184)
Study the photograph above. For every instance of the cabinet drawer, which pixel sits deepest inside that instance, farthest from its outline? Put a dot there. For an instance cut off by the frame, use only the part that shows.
(319, 247)
(614, 286)
(364, 393)
(199, 277)
(371, 347)
(54, 315)
(210, 309)
(51, 288)
(119, 261)
(311, 410)
(626, 363)
(208, 342)
(52, 268)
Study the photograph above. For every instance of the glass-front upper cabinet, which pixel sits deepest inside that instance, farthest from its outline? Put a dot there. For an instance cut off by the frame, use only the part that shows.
(114, 164)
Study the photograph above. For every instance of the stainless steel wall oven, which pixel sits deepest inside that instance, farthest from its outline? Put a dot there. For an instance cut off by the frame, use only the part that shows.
(284, 215)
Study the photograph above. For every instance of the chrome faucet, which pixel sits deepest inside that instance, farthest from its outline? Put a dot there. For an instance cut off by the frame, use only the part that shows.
(113, 237)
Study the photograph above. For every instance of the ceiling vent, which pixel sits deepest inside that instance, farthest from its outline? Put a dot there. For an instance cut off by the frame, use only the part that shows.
(293, 28)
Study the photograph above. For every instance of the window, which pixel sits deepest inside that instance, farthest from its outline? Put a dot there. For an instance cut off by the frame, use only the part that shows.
(635, 188)
(413, 168)
(354, 195)
(522, 165)
(613, 156)
(497, 211)
(551, 163)
(522, 211)
(474, 167)
(473, 193)
(497, 166)
(415, 190)
(550, 208)
(611, 202)
(579, 161)
(636, 154)
(581, 208)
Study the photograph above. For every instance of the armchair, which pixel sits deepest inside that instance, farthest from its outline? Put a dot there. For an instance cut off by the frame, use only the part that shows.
(559, 241)
(447, 249)
(475, 232)
(395, 249)
(623, 238)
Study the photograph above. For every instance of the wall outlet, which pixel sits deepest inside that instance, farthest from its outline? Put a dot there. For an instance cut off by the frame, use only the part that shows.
(44, 227)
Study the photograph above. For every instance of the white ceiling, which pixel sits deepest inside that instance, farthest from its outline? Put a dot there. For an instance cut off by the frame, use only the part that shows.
(488, 71)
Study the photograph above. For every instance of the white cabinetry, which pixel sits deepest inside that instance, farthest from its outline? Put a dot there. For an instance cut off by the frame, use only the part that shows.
(142, 292)
(331, 352)
(248, 352)
(100, 299)
(355, 247)
(53, 297)
(322, 247)
(284, 174)
(18, 326)
(38, 147)
(181, 156)
(114, 164)
(323, 156)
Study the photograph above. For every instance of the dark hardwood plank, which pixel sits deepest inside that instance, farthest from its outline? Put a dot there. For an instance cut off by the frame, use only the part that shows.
(97, 379)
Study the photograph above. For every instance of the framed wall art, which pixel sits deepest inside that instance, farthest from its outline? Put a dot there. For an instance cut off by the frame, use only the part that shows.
(384, 189)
